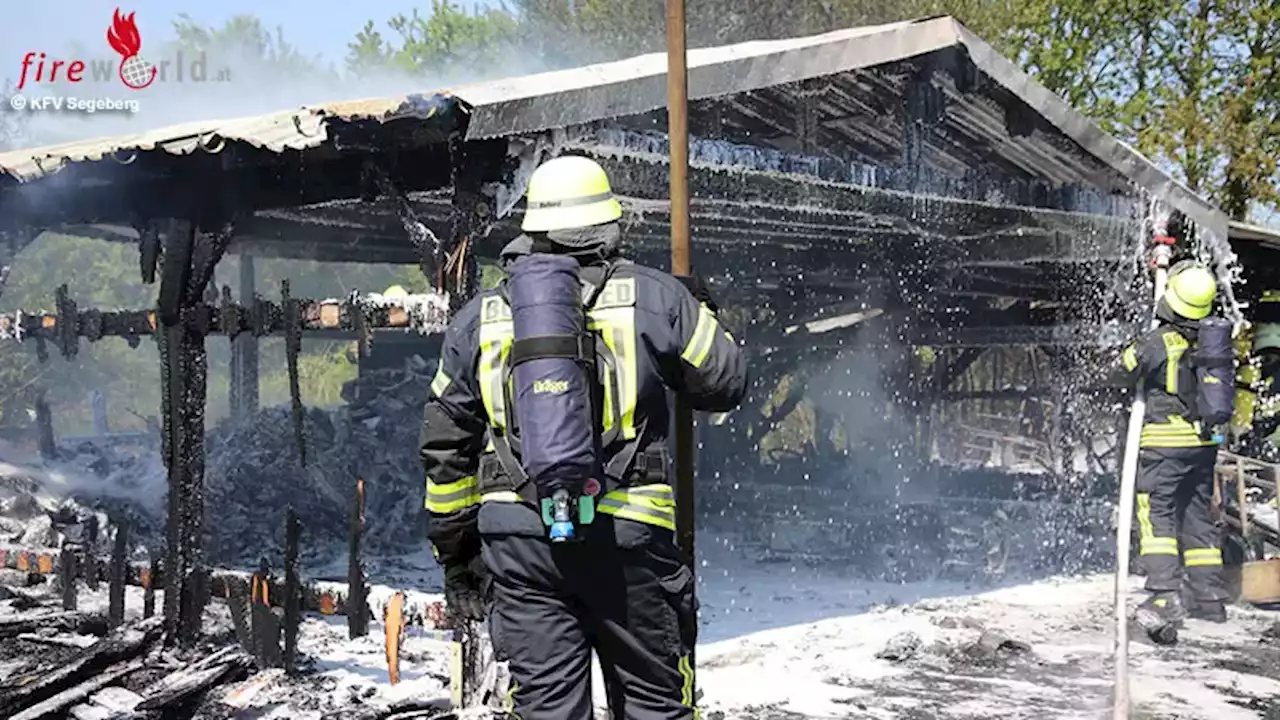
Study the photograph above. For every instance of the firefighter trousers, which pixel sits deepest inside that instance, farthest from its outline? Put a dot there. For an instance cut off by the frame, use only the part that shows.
(1176, 534)
(623, 591)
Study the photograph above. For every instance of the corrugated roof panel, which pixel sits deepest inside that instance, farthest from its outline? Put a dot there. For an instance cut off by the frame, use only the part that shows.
(291, 130)
(638, 85)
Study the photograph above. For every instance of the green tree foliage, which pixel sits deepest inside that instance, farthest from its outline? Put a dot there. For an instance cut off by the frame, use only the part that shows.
(448, 41)
(1191, 84)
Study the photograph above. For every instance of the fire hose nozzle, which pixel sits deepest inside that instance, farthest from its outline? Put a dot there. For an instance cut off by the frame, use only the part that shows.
(1161, 239)
(1161, 255)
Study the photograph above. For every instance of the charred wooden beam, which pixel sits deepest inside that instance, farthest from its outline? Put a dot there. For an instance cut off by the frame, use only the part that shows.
(430, 249)
(470, 215)
(237, 592)
(119, 571)
(67, 577)
(292, 599)
(124, 643)
(147, 578)
(78, 622)
(292, 347)
(172, 690)
(265, 627)
(425, 313)
(173, 343)
(57, 705)
(91, 571)
(358, 613)
(44, 426)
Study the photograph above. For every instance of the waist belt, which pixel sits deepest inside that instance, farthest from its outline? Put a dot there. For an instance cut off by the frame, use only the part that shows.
(642, 495)
(1178, 432)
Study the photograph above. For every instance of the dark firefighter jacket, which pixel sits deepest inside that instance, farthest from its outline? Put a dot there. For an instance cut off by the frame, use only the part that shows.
(661, 337)
(1156, 358)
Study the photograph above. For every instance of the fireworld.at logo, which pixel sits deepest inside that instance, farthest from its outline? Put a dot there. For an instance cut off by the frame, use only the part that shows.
(123, 37)
(130, 68)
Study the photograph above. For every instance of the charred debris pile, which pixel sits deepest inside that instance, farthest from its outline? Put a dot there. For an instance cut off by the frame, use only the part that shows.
(254, 471)
(254, 475)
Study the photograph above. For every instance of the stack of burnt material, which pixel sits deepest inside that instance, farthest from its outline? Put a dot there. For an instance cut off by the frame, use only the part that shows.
(383, 422)
(255, 472)
(43, 510)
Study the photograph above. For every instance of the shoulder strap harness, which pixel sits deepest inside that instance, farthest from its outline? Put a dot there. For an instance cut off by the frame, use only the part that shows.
(591, 351)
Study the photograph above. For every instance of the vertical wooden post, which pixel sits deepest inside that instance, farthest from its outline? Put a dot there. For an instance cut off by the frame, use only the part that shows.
(67, 575)
(244, 349)
(357, 607)
(119, 570)
(292, 591)
(681, 264)
(44, 426)
(678, 141)
(90, 570)
(149, 587)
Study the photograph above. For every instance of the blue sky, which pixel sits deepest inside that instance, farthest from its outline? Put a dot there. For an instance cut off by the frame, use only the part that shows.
(316, 26)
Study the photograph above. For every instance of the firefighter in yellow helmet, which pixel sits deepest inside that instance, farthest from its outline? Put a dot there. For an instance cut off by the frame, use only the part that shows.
(622, 588)
(1266, 348)
(1178, 539)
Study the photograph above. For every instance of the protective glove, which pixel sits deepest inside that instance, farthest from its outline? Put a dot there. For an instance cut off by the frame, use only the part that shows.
(464, 589)
(698, 290)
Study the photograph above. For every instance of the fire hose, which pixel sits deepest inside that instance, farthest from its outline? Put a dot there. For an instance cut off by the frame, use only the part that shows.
(1161, 253)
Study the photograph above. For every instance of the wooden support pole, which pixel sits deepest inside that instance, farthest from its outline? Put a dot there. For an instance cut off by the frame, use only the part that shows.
(44, 426)
(678, 140)
(266, 627)
(358, 611)
(90, 569)
(119, 573)
(67, 577)
(681, 265)
(244, 349)
(292, 591)
(149, 588)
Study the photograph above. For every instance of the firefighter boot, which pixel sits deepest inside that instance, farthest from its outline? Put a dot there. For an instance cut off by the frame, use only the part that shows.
(1214, 611)
(1160, 616)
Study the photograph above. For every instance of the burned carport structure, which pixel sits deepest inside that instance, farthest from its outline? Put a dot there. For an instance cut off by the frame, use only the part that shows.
(906, 169)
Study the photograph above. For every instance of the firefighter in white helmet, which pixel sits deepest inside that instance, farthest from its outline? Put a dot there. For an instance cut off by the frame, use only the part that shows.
(621, 588)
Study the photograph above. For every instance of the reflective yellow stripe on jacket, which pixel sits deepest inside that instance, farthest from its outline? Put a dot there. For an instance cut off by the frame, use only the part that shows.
(1177, 433)
(443, 498)
(651, 504)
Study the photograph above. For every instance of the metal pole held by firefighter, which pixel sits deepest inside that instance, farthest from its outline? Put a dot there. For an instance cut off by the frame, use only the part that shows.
(678, 142)
(1161, 253)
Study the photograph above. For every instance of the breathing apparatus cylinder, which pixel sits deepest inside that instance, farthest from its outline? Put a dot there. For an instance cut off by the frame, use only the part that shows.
(1215, 373)
(553, 378)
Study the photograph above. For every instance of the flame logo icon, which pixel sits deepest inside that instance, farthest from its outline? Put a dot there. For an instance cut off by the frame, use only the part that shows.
(124, 38)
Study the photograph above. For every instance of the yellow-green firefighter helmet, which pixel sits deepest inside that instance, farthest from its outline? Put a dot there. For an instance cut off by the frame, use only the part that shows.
(395, 291)
(1190, 291)
(1266, 336)
(569, 192)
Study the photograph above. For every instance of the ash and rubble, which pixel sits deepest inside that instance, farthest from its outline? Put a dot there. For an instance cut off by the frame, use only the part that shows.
(254, 475)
